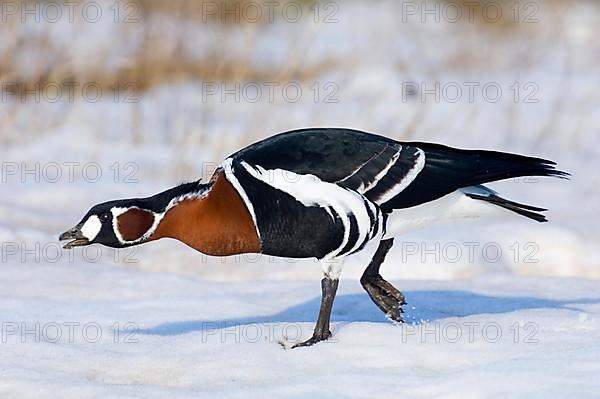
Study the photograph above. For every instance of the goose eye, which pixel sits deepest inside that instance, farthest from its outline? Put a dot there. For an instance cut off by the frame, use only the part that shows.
(105, 217)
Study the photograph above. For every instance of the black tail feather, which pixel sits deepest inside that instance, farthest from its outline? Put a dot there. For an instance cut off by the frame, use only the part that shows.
(448, 169)
(525, 210)
(482, 166)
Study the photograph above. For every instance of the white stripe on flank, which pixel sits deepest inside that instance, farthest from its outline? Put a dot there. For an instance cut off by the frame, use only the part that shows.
(406, 180)
(362, 165)
(227, 166)
(381, 174)
(312, 191)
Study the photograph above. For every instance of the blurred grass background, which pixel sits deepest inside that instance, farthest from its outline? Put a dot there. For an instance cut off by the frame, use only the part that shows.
(367, 52)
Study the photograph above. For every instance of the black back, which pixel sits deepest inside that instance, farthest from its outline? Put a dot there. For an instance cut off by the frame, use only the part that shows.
(353, 159)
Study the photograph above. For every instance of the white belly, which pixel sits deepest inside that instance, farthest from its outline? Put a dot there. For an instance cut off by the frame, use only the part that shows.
(453, 206)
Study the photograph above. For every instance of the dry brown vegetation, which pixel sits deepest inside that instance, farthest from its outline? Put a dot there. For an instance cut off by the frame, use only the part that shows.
(148, 52)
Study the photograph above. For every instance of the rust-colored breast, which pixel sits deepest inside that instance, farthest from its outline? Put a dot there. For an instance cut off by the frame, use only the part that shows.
(218, 224)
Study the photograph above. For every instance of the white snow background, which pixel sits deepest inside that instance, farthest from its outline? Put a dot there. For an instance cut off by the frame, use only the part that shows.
(496, 308)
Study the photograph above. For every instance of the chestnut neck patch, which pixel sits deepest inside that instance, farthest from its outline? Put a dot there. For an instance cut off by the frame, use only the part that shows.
(217, 223)
(134, 223)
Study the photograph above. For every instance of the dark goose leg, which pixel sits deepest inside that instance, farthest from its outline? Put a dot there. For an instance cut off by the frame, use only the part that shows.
(321, 332)
(385, 295)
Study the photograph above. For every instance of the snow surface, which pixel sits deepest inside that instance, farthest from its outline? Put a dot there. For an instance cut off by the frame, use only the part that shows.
(496, 336)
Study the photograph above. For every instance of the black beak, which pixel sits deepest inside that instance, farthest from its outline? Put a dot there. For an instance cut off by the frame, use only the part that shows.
(76, 235)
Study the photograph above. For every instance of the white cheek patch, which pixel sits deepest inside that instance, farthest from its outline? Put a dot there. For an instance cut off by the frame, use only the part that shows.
(91, 227)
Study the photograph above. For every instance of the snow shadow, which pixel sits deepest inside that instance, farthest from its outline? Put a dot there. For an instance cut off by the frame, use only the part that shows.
(422, 306)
